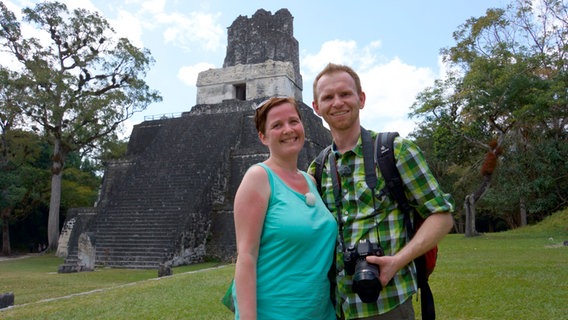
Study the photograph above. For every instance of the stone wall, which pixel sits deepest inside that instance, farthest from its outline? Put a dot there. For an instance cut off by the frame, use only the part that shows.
(262, 37)
(270, 78)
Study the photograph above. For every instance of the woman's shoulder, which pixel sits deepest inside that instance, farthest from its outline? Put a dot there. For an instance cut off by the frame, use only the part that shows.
(308, 176)
(257, 171)
(256, 179)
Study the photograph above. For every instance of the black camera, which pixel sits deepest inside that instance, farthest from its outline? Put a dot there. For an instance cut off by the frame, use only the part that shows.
(366, 282)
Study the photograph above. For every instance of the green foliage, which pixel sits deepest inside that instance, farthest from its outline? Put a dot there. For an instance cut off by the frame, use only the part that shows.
(80, 183)
(20, 177)
(542, 183)
(553, 226)
(79, 188)
(114, 149)
(25, 183)
(507, 81)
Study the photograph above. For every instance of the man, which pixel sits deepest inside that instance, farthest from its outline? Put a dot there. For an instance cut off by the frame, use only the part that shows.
(338, 97)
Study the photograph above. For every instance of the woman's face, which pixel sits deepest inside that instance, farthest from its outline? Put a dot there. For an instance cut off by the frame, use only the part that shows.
(284, 132)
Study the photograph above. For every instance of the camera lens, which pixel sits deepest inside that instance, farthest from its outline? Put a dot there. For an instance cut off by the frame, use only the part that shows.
(366, 281)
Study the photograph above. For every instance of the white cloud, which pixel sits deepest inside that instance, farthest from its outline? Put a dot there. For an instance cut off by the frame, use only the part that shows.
(186, 31)
(125, 129)
(402, 126)
(154, 7)
(393, 85)
(336, 51)
(391, 90)
(128, 26)
(83, 4)
(196, 29)
(188, 74)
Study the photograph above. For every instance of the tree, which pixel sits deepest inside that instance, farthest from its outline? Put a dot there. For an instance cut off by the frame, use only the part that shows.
(505, 92)
(15, 152)
(21, 178)
(79, 86)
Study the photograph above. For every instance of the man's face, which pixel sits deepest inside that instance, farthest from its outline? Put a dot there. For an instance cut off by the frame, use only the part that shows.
(338, 102)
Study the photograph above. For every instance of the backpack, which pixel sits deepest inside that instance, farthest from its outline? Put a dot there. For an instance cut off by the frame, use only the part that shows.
(383, 157)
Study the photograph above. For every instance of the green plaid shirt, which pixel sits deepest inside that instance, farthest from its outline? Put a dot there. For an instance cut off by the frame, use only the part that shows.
(386, 227)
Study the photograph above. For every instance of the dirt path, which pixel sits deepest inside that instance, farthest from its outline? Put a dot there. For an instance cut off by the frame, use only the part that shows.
(16, 257)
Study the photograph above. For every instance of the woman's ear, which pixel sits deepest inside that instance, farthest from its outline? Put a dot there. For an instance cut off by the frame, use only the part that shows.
(262, 138)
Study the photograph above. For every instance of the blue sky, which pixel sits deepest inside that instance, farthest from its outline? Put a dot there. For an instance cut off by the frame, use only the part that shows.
(393, 45)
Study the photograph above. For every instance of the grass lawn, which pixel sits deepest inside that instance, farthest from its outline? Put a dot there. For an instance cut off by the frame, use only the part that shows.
(521, 274)
(192, 292)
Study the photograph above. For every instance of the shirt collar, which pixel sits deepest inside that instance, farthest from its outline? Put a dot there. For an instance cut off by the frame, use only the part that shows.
(358, 149)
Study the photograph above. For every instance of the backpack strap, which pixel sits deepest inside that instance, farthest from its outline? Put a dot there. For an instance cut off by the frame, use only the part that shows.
(319, 161)
(384, 147)
(368, 160)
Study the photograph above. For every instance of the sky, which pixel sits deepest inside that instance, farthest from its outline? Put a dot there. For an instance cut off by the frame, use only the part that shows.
(393, 45)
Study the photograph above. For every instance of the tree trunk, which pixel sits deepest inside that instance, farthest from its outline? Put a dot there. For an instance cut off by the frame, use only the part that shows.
(523, 212)
(6, 246)
(55, 200)
(469, 206)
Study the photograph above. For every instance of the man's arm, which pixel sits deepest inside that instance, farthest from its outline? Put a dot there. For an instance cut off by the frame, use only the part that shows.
(432, 231)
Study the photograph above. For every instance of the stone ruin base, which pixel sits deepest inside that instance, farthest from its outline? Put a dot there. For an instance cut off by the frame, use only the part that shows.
(6, 300)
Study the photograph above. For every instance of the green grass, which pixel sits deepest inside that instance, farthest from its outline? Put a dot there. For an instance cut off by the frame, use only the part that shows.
(192, 292)
(520, 274)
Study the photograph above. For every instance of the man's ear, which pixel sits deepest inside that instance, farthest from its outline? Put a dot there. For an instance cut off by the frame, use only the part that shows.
(362, 98)
(316, 108)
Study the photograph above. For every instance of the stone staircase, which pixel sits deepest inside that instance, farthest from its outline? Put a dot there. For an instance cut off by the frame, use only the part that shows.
(136, 238)
(139, 226)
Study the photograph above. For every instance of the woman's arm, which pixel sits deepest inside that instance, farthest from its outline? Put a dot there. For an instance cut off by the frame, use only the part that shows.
(251, 203)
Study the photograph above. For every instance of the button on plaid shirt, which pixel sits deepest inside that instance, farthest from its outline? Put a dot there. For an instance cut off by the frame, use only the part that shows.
(382, 223)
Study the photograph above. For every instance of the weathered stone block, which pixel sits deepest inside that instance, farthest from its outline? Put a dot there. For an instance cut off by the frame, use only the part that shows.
(164, 270)
(86, 251)
(6, 300)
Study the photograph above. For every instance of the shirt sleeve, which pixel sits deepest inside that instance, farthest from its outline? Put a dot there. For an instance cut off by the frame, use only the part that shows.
(422, 187)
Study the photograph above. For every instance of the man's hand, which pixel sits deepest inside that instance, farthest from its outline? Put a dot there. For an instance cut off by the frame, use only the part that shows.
(434, 228)
(388, 266)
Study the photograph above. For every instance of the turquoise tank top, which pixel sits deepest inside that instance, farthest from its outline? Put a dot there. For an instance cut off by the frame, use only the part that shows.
(297, 247)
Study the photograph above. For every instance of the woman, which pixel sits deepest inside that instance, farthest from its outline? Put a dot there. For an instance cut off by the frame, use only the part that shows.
(285, 234)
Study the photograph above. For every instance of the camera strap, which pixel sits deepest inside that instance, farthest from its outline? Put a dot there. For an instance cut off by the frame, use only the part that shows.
(337, 197)
(370, 179)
